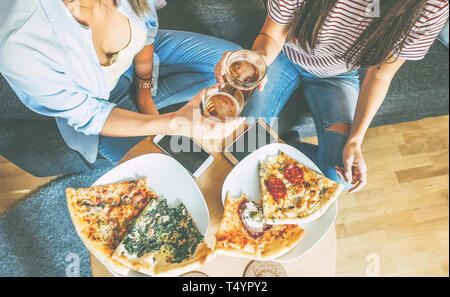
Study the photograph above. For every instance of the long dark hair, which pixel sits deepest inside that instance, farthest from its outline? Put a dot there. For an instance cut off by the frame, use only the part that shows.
(383, 36)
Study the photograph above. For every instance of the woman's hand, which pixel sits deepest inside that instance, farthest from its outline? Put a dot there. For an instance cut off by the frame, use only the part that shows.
(188, 121)
(355, 169)
(221, 68)
(373, 91)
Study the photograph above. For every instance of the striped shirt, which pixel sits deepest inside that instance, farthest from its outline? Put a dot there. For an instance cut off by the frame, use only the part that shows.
(344, 25)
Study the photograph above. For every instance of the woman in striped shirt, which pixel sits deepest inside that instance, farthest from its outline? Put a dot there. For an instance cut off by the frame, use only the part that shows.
(322, 44)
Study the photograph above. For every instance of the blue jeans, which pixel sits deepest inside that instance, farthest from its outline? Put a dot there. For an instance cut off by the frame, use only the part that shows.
(331, 100)
(187, 63)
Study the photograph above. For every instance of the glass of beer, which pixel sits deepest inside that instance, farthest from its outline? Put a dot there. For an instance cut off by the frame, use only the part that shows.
(245, 70)
(222, 103)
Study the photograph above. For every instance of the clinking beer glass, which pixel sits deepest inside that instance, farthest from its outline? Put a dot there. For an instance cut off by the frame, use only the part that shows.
(222, 102)
(244, 72)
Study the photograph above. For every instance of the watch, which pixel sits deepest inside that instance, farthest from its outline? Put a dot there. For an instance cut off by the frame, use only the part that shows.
(145, 84)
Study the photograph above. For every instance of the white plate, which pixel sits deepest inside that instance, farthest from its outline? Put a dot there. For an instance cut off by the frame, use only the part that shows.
(168, 179)
(244, 179)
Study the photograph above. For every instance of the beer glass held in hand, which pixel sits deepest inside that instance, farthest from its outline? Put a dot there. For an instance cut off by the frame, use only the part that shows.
(245, 70)
(222, 103)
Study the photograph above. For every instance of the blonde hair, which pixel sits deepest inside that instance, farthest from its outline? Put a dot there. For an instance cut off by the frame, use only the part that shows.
(140, 7)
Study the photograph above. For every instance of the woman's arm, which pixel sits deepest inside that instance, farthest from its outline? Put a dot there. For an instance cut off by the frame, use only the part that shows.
(373, 92)
(125, 123)
(143, 62)
(270, 40)
(187, 121)
(143, 66)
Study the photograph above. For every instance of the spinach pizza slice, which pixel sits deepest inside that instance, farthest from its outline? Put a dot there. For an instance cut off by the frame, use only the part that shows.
(163, 241)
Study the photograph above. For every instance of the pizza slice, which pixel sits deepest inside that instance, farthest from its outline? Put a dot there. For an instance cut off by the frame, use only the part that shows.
(103, 214)
(293, 193)
(244, 233)
(163, 241)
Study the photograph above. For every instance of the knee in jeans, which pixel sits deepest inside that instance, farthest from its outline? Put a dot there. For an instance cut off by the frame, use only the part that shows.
(330, 172)
(341, 128)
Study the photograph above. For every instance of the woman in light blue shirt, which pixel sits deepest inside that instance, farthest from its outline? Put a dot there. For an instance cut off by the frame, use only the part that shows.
(76, 61)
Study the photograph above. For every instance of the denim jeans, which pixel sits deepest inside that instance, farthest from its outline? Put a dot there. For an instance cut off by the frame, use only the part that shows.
(187, 63)
(331, 100)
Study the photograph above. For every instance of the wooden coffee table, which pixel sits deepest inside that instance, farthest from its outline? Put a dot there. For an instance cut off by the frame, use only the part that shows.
(319, 261)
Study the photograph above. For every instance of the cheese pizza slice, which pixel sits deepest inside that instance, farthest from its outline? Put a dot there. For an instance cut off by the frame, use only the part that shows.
(163, 241)
(293, 193)
(244, 233)
(102, 215)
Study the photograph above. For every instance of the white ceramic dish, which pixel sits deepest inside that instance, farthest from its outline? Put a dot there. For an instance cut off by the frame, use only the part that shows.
(244, 178)
(168, 179)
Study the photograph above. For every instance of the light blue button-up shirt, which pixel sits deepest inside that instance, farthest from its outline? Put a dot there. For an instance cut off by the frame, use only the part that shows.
(49, 60)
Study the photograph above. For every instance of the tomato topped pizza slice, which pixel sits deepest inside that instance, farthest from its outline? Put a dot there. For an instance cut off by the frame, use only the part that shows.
(293, 193)
(103, 214)
(244, 233)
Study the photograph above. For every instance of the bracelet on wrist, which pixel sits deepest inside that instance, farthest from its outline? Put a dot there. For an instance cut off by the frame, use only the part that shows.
(144, 83)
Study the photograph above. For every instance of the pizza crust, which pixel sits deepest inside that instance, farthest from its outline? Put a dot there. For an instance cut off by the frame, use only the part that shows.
(233, 252)
(143, 264)
(116, 267)
(71, 195)
(153, 265)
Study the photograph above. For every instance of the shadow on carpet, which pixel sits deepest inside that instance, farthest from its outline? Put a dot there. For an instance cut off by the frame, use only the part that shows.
(37, 238)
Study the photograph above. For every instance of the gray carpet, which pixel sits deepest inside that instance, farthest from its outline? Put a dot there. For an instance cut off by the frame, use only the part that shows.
(37, 237)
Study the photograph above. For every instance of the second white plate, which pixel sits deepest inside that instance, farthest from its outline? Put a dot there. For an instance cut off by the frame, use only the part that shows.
(244, 179)
(169, 180)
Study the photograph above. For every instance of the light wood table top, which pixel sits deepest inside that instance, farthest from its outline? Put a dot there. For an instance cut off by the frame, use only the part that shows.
(319, 261)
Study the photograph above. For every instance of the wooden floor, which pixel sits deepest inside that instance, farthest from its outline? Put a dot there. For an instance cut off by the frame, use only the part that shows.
(398, 225)
(16, 185)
